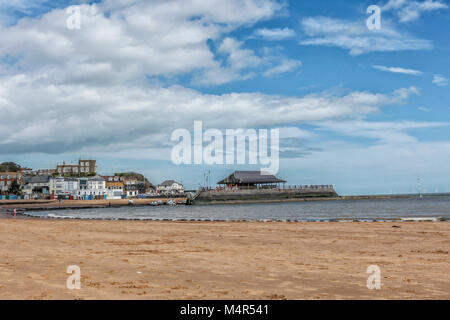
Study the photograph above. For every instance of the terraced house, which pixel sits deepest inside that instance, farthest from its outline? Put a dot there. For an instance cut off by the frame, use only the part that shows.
(7, 178)
(114, 187)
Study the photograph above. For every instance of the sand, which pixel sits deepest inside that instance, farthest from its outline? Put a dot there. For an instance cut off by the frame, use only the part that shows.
(175, 260)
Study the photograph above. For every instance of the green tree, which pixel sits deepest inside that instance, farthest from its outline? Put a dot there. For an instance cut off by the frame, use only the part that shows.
(9, 167)
(15, 189)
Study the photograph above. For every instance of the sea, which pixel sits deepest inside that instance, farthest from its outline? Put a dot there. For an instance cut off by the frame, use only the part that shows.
(342, 210)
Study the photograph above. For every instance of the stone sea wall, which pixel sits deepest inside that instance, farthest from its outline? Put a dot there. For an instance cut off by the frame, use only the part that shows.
(252, 195)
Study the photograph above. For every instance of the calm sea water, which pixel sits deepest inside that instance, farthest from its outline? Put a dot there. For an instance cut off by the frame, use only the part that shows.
(382, 209)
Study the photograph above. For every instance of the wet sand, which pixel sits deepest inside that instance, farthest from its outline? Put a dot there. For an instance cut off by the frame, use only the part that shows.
(176, 260)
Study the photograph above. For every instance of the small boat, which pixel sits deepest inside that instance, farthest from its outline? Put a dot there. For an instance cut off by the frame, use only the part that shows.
(153, 203)
(172, 202)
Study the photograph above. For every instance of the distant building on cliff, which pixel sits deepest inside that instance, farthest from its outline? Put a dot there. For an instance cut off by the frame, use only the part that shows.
(45, 172)
(84, 167)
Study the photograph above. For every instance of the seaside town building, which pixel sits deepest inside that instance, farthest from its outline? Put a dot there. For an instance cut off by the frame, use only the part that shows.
(71, 186)
(131, 187)
(87, 166)
(84, 167)
(7, 178)
(26, 171)
(44, 172)
(68, 169)
(73, 181)
(91, 188)
(56, 186)
(37, 186)
(170, 187)
(114, 187)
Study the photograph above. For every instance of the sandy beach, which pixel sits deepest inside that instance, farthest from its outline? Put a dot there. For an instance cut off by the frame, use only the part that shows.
(175, 260)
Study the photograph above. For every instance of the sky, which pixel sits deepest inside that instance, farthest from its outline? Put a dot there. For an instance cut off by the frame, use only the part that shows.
(365, 110)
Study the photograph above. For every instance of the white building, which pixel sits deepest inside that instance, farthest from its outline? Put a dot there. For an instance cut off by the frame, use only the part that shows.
(63, 186)
(71, 187)
(91, 188)
(170, 187)
(56, 186)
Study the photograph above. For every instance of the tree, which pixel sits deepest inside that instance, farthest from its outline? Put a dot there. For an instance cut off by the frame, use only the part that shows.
(135, 175)
(15, 189)
(9, 167)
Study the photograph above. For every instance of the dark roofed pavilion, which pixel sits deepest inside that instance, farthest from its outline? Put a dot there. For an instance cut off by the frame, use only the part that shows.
(250, 179)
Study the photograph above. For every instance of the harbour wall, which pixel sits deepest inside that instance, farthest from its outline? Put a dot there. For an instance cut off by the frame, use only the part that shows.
(255, 195)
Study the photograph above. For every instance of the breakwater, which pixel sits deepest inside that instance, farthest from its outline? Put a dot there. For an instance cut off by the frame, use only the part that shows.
(262, 195)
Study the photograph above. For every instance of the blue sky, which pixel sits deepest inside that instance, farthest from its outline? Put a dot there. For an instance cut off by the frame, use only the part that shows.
(364, 110)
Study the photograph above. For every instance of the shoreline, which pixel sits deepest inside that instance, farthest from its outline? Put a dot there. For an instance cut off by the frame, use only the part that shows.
(25, 206)
(310, 199)
(39, 205)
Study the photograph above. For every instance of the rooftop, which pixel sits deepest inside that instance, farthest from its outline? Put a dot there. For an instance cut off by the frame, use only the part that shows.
(37, 179)
(250, 177)
(168, 183)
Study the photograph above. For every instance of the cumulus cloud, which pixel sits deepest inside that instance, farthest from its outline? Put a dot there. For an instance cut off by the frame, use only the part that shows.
(153, 38)
(408, 11)
(62, 117)
(398, 70)
(356, 37)
(73, 90)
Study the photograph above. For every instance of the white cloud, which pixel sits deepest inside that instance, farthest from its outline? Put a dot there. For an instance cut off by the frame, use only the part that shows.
(62, 117)
(242, 64)
(238, 57)
(383, 132)
(356, 37)
(286, 65)
(87, 89)
(408, 11)
(399, 70)
(274, 34)
(153, 38)
(440, 80)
